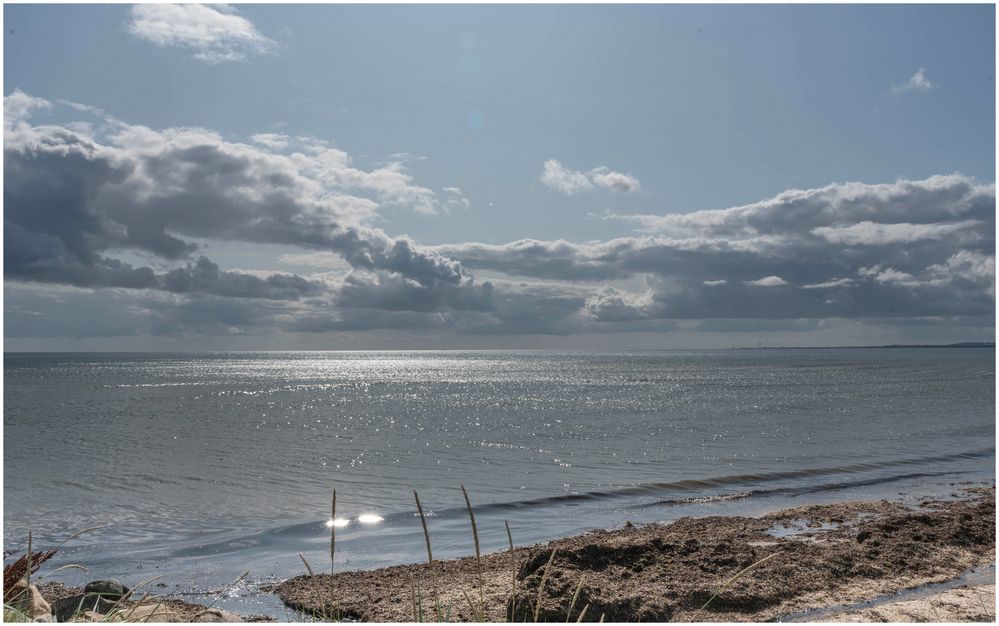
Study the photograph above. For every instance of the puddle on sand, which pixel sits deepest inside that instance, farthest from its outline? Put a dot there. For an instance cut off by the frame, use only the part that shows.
(978, 576)
(800, 529)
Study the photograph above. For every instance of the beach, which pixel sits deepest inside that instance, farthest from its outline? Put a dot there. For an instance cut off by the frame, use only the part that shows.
(792, 562)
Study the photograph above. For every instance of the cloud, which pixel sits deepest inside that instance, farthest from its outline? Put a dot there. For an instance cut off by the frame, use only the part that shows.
(872, 234)
(211, 33)
(568, 181)
(124, 212)
(817, 244)
(830, 284)
(75, 200)
(767, 281)
(272, 141)
(19, 106)
(455, 199)
(918, 82)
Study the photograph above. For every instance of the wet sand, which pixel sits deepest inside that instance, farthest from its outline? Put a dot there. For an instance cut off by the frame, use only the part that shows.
(974, 603)
(815, 556)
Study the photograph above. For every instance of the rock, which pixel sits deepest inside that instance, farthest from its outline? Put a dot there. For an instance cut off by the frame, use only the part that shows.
(31, 603)
(152, 613)
(45, 618)
(89, 616)
(218, 615)
(65, 608)
(110, 589)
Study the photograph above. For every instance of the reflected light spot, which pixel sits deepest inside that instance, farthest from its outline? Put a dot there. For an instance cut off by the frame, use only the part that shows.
(370, 518)
(337, 523)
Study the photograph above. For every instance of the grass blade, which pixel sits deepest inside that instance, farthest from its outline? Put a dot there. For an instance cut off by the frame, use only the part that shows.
(478, 553)
(541, 587)
(426, 533)
(575, 597)
(513, 569)
(732, 580)
(221, 595)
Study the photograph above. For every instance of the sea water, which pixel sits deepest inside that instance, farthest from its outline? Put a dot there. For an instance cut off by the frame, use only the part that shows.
(198, 467)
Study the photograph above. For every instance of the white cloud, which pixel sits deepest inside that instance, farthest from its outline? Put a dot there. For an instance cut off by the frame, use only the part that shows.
(272, 141)
(767, 281)
(714, 283)
(829, 284)
(86, 108)
(212, 33)
(568, 181)
(918, 82)
(19, 106)
(454, 198)
(874, 234)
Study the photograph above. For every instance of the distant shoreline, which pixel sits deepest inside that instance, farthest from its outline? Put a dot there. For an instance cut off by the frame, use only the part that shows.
(965, 344)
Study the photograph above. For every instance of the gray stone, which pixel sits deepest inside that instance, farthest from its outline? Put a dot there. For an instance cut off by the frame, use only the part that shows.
(66, 608)
(110, 589)
(218, 615)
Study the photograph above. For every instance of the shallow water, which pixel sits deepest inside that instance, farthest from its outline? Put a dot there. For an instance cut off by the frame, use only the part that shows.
(202, 466)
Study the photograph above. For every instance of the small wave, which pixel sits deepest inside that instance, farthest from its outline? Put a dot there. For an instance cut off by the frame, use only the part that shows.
(316, 528)
(795, 491)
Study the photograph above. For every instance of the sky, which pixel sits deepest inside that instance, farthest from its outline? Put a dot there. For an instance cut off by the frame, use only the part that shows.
(268, 177)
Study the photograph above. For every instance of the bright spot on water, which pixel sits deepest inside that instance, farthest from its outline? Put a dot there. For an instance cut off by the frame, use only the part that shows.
(369, 518)
(337, 523)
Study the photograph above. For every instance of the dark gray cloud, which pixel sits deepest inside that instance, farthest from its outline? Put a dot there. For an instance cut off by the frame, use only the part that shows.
(79, 200)
(73, 201)
(851, 250)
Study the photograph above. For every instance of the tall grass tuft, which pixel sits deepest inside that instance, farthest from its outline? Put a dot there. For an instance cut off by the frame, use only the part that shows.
(478, 552)
(430, 555)
(513, 571)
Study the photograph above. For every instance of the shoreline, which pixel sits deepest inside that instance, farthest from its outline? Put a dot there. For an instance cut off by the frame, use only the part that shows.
(799, 559)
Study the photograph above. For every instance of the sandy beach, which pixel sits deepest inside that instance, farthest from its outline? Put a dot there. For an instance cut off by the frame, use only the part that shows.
(799, 560)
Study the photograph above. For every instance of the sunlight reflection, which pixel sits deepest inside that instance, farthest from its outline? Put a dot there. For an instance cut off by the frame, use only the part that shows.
(337, 523)
(369, 518)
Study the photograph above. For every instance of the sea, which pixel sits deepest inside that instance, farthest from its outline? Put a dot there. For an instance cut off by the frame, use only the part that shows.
(208, 475)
